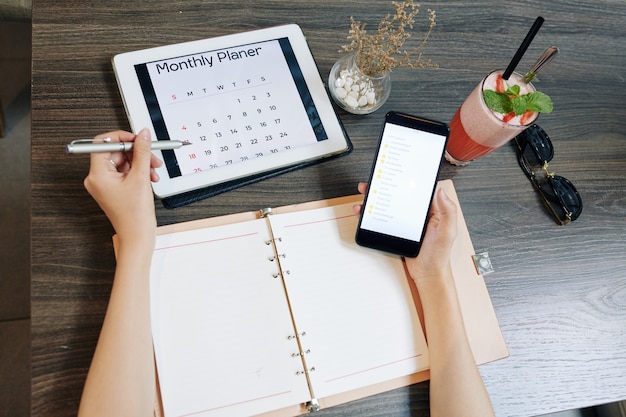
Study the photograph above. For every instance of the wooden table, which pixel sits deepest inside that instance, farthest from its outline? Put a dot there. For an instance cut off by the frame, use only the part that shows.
(559, 291)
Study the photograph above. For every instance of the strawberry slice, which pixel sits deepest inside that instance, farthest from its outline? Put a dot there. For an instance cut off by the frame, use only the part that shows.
(528, 114)
(507, 117)
(500, 87)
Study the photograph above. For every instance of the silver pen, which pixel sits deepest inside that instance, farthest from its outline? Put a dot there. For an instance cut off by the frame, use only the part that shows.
(104, 145)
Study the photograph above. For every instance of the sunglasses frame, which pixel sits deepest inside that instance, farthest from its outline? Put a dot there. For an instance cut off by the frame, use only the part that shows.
(552, 179)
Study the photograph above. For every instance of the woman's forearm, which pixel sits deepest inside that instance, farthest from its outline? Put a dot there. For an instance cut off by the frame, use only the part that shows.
(456, 387)
(121, 379)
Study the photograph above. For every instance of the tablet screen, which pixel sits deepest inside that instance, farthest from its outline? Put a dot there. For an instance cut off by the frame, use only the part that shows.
(234, 105)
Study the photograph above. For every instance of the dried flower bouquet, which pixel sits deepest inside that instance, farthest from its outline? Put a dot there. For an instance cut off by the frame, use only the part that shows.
(382, 51)
(360, 82)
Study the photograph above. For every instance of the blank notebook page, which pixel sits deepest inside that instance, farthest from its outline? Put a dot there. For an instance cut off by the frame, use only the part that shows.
(353, 304)
(221, 324)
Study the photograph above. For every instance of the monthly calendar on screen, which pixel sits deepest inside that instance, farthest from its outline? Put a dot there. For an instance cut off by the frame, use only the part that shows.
(247, 103)
(233, 105)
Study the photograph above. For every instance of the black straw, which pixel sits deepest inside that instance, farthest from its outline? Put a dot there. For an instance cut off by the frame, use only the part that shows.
(522, 48)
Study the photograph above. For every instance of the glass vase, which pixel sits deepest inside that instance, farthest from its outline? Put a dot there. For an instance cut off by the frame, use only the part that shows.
(353, 90)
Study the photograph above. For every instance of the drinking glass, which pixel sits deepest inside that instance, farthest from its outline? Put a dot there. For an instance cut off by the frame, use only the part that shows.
(475, 130)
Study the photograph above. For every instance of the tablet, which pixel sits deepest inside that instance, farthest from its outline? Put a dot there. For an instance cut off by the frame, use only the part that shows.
(249, 103)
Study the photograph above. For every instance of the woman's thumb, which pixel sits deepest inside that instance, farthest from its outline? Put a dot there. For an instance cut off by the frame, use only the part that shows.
(142, 152)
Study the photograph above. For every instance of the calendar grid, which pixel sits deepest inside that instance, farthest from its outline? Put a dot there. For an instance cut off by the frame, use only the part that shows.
(229, 112)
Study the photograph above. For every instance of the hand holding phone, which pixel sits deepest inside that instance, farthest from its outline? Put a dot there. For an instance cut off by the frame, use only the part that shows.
(401, 184)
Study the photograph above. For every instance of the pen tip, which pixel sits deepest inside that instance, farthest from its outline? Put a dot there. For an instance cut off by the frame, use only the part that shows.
(186, 143)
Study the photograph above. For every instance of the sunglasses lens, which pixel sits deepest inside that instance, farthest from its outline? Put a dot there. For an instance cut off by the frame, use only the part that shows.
(567, 196)
(538, 147)
(561, 197)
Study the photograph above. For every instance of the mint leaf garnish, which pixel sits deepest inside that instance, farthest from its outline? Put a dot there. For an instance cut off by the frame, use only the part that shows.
(513, 90)
(512, 102)
(519, 104)
(539, 101)
(498, 102)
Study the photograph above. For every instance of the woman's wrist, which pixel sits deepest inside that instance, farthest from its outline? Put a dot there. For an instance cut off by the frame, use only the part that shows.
(433, 280)
(139, 245)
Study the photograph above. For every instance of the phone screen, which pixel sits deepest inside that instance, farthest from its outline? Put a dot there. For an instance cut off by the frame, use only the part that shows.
(402, 184)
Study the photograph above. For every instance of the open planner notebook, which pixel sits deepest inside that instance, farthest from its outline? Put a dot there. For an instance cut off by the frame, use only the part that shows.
(283, 314)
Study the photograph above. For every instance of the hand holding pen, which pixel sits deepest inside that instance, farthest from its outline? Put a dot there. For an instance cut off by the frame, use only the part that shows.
(120, 143)
(117, 151)
(120, 183)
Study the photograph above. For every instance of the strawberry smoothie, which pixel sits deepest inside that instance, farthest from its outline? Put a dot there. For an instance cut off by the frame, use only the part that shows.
(475, 130)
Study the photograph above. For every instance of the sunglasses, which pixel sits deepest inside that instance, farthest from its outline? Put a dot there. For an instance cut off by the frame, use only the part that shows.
(559, 195)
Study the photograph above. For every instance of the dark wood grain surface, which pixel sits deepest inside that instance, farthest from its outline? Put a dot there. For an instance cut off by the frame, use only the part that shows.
(559, 292)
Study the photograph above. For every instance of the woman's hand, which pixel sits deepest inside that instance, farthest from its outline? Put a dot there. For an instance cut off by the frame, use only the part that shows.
(434, 256)
(120, 183)
(436, 249)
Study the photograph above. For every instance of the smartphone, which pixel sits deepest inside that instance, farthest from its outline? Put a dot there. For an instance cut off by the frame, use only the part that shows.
(402, 184)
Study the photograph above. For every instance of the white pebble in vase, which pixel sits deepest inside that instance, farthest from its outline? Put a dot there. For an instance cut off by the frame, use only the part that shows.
(355, 91)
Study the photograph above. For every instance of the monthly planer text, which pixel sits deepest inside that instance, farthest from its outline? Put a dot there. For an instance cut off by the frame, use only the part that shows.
(202, 60)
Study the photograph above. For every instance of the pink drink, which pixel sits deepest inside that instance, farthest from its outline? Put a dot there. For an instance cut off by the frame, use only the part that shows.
(475, 130)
